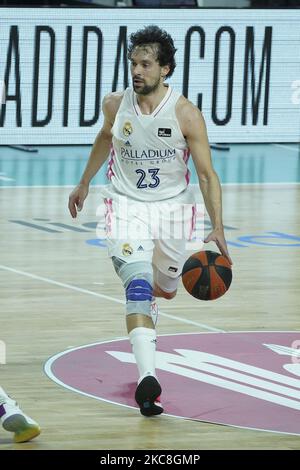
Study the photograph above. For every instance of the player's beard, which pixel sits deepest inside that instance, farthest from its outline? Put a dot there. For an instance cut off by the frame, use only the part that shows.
(146, 89)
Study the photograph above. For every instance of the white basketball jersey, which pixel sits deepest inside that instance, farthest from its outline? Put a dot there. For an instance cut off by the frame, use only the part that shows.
(149, 154)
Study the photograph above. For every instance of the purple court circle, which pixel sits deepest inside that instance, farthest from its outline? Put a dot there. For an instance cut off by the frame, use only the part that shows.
(244, 379)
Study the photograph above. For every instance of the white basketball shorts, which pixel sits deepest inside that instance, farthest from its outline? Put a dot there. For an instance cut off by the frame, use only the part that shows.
(156, 232)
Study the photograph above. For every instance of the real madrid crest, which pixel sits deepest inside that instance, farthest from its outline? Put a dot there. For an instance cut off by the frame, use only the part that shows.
(127, 129)
(127, 249)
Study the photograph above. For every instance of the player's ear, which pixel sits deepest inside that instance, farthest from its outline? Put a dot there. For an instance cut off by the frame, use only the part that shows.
(165, 70)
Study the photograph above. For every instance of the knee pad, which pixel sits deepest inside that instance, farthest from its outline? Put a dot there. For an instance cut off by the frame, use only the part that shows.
(139, 293)
(139, 289)
(139, 296)
(137, 278)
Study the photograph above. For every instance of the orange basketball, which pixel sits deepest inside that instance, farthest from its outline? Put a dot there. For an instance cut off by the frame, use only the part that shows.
(206, 275)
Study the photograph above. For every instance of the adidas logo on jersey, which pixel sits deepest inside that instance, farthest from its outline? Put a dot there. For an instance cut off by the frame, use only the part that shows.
(140, 248)
(127, 143)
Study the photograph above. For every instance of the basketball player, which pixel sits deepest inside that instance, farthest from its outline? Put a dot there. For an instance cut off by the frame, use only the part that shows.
(149, 131)
(14, 420)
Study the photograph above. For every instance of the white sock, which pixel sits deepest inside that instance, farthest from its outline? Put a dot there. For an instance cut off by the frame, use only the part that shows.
(143, 341)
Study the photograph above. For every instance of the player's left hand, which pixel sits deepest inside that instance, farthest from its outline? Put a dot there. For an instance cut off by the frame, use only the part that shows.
(217, 236)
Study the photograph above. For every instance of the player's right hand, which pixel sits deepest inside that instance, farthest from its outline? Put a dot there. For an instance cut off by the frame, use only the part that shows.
(76, 199)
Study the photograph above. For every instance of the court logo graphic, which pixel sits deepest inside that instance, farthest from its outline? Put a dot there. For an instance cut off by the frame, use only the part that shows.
(127, 129)
(245, 379)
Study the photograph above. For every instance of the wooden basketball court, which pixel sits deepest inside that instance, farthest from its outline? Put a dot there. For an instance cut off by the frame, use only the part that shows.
(59, 291)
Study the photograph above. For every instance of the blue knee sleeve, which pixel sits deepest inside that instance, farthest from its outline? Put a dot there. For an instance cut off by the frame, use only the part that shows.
(139, 289)
(138, 297)
(137, 278)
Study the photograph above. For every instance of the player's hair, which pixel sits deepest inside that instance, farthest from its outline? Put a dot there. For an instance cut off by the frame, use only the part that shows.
(152, 34)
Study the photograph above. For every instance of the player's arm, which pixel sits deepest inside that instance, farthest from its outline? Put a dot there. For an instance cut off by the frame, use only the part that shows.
(194, 129)
(98, 155)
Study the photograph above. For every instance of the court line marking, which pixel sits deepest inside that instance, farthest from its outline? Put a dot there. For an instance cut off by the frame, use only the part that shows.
(103, 296)
(292, 149)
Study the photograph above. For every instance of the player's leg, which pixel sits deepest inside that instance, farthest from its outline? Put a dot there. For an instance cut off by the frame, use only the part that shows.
(132, 260)
(169, 253)
(137, 278)
(168, 259)
(164, 285)
(14, 420)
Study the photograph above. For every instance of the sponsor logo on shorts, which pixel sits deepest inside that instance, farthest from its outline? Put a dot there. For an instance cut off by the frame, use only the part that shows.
(127, 250)
(164, 132)
(172, 269)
